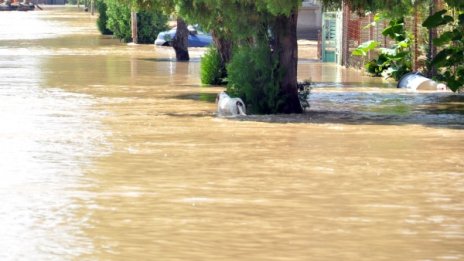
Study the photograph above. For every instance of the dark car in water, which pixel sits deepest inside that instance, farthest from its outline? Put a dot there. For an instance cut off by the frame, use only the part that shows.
(196, 38)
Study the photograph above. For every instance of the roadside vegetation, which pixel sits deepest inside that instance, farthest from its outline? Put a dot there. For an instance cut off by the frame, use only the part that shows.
(450, 60)
(255, 44)
(115, 17)
(211, 71)
(392, 62)
(444, 47)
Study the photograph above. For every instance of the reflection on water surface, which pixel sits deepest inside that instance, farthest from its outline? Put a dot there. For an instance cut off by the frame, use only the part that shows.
(113, 152)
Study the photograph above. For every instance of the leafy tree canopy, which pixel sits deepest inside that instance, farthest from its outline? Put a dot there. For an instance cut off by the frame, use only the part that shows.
(150, 22)
(277, 7)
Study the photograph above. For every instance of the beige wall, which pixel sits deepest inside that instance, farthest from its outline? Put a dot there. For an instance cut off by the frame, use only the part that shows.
(309, 21)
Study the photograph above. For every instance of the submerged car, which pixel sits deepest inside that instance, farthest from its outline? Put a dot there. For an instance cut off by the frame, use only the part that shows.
(196, 38)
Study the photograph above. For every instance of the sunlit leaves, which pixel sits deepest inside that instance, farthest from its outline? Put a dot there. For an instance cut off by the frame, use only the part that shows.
(391, 62)
(395, 30)
(365, 47)
(388, 51)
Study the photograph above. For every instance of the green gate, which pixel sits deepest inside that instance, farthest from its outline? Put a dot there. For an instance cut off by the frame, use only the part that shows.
(331, 36)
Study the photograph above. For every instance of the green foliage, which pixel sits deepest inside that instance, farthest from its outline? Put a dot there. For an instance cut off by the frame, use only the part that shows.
(102, 18)
(437, 19)
(365, 48)
(459, 4)
(149, 22)
(398, 57)
(391, 62)
(450, 60)
(304, 90)
(119, 19)
(235, 19)
(377, 66)
(245, 24)
(254, 76)
(277, 7)
(210, 69)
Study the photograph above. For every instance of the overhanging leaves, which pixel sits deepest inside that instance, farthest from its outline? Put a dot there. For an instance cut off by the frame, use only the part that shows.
(365, 47)
(393, 31)
(442, 57)
(437, 19)
(461, 19)
(443, 39)
(388, 51)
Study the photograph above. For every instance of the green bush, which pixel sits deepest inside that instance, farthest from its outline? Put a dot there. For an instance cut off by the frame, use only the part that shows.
(450, 60)
(399, 56)
(149, 23)
(392, 62)
(210, 68)
(254, 76)
(102, 18)
(119, 19)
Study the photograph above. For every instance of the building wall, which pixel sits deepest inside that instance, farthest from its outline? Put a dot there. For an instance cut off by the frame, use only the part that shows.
(309, 20)
(357, 31)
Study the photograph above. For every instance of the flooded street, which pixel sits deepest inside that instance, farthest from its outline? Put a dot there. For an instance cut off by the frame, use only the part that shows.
(113, 152)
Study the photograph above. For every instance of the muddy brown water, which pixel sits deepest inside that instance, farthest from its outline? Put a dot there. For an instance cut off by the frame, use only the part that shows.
(113, 152)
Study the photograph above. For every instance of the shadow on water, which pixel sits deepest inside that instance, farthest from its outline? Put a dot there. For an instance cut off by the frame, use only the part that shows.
(453, 104)
(173, 59)
(190, 115)
(439, 110)
(359, 118)
(200, 96)
(352, 84)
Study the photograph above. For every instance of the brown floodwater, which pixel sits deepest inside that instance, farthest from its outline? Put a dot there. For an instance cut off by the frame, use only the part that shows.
(114, 152)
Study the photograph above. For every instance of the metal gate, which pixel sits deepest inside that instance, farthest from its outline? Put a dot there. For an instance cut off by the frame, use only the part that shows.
(331, 36)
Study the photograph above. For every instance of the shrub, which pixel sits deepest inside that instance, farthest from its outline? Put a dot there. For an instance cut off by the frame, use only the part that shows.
(119, 19)
(392, 62)
(450, 60)
(102, 18)
(210, 69)
(149, 23)
(254, 76)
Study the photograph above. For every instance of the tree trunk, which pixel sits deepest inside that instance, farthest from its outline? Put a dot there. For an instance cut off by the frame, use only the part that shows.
(92, 7)
(432, 52)
(134, 31)
(180, 41)
(286, 46)
(224, 47)
(416, 39)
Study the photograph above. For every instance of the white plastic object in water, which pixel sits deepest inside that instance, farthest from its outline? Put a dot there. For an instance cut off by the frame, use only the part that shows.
(416, 81)
(228, 106)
